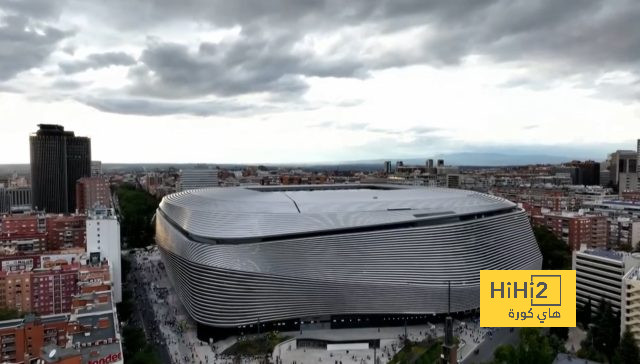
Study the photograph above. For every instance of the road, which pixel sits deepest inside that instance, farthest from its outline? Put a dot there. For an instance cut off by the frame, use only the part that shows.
(144, 312)
(501, 336)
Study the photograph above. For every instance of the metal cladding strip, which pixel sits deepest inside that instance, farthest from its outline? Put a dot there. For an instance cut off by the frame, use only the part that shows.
(398, 271)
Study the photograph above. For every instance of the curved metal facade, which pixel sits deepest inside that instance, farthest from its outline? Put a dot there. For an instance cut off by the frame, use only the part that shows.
(400, 270)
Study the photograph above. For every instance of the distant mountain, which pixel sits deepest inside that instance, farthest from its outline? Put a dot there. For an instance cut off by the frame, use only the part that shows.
(454, 159)
(466, 159)
(498, 159)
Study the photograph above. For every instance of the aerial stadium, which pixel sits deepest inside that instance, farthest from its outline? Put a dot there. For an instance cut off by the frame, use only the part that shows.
(279, 257)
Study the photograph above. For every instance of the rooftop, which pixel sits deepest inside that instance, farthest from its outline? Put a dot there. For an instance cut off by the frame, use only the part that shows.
(633, 274)
(97, 333)
(274, 210)
(603, 253)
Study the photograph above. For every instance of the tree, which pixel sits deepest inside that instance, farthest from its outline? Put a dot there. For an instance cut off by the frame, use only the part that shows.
(588, 351)
(534, 348)
(603, 335)
(555, 252)
(606, 329)
(137, 208)
(584, 314)
(625, 247)
(628, 351)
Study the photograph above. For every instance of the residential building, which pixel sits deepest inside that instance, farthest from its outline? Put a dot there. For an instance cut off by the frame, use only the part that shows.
(66, 231)
(58, 160)
(599, 276)
(52, 288)
(623, 218)
(92, 192)
(575, 229)
(87, 333)
(37, 232)
(624, 231)
(23, 233)
(630, 317)
(15, 290)
(567, 198)
(103, 236)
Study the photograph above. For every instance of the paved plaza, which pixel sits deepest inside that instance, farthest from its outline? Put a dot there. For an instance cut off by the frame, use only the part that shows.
(173, 328)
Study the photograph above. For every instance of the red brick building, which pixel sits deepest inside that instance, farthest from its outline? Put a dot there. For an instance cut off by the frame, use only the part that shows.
(65, 232)
(37, 233)
(92, 192)
(22, 339)
(52, 290)
(23, 233)
(575, 229)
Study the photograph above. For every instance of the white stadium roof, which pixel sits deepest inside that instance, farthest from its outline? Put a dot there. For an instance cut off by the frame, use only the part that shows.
(264, 211)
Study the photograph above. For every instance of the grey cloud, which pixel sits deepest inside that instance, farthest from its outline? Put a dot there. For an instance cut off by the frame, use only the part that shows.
(559, 38)
(25, 44)
(96, 61)
(554, 39)
(251, 64)
(34, 9)
(153, 107)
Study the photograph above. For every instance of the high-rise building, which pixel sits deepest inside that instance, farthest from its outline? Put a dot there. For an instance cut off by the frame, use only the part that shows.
(103, 236)
(623, 170)
(399, 164)
(440, 163)
(582, 173)
(191, 179)
(58, 160)
(430, 163)
(387, 167)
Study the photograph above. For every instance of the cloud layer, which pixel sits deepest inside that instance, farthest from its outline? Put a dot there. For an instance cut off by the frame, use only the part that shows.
(271, 49)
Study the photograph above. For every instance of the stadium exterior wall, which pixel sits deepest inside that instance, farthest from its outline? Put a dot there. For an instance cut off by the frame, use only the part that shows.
(400, 271)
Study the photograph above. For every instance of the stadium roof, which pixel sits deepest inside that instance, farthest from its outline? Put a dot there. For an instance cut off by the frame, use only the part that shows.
(261, 211)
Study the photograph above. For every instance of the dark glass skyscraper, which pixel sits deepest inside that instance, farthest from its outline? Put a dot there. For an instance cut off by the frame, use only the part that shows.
(58, 160)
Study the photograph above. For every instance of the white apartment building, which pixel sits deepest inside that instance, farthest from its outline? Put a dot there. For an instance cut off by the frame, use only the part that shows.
(599, 275)
(631, 303)
(103, 236)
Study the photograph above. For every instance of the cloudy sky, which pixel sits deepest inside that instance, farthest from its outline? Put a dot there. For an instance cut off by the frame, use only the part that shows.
(321, 80)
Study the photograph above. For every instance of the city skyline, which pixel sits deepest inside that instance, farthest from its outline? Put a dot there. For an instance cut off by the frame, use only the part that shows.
(289, 82)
